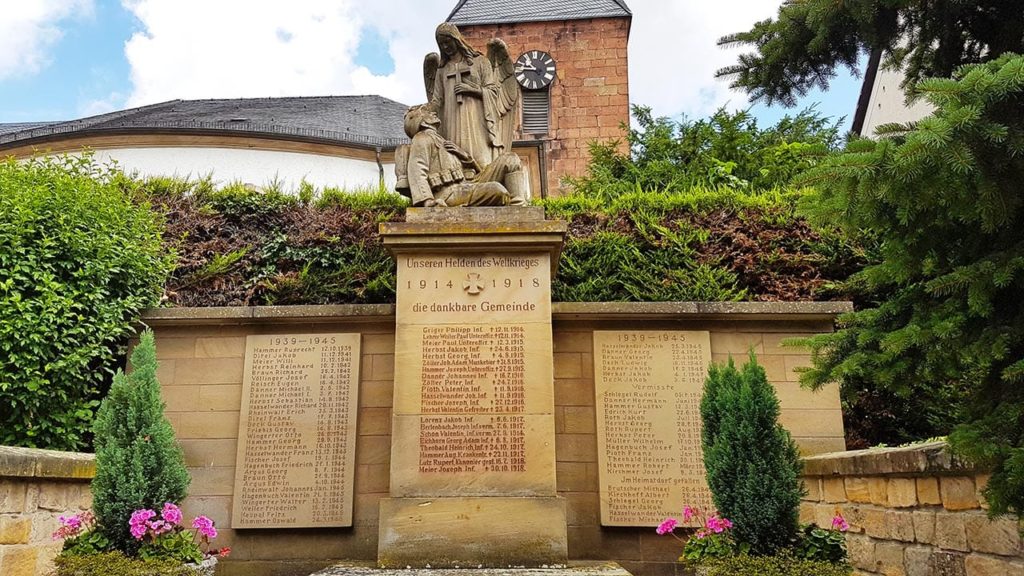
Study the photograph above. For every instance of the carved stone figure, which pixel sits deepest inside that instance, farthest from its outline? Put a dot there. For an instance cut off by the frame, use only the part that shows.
(471, 101)
(434, 171)
(506, 98)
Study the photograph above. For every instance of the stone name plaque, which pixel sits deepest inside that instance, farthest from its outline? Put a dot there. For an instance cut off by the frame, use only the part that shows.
(473, 404)
(648, 386)
(297, 431)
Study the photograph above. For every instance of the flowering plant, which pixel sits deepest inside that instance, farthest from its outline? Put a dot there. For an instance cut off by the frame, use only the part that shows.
(80, 537)
(713, 540)
(827, 544)
(163, 535)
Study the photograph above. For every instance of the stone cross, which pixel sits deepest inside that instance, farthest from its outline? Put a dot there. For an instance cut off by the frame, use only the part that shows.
(459, 75)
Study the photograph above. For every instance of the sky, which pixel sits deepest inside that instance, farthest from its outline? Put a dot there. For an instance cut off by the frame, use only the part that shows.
(67, 59)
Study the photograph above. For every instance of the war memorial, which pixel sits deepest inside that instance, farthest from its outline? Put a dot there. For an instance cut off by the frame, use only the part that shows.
(474, 423)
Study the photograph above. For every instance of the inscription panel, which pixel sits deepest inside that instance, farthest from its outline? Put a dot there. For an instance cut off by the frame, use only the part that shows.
(474, 396)
(648, 386)
(296, 432)
(474, 455)
(490, 288)
(474, 369)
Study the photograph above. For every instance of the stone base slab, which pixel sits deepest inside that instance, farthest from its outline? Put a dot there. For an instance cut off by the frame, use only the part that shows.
(573, 569)
(491, 532)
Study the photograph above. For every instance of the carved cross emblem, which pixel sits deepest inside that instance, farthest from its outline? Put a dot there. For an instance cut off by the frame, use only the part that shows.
(473, 283)
(458, 76)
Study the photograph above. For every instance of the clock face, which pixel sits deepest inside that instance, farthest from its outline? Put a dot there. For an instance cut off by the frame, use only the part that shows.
(535, 69)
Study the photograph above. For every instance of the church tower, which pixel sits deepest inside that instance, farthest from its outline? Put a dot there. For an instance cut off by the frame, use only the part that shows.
(574, 74)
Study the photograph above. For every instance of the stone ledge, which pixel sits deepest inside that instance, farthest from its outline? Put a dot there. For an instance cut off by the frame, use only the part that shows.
(921, 459)
(700, 310)
(35, 463)
(575, 568)
(234, 315)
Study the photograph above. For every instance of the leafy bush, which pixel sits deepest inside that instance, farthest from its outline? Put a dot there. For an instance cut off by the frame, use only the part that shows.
(79, 258)
(943, 197)
(823, 544)
(138, 463)
(779, 565)
(753, 466)
(109, 563)
(726, 150)
(697, 244)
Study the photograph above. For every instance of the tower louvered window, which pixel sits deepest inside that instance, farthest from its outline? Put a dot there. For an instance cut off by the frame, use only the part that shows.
(536, 111)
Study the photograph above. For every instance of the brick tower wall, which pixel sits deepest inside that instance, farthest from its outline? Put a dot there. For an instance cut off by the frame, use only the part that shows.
(590, 95)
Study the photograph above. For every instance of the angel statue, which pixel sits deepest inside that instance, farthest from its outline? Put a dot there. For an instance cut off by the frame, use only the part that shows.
(471, 100)
(461, 150)
(506, 98)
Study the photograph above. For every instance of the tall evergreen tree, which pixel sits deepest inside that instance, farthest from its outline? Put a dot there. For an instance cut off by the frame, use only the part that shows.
(753, 466)
(138, 462)
(944, 200)
(810, 39)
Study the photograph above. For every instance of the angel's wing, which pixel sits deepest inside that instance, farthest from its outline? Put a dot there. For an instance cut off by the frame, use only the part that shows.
(430, 65)
(497, 53)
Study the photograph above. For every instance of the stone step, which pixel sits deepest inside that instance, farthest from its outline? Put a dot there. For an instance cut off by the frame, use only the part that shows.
(572, 569)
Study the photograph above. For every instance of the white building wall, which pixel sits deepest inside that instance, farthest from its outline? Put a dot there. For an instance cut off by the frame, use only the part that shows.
(888, 103)
(258, 167)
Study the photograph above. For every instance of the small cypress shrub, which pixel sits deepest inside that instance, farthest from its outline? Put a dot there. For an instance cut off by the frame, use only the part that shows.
(753, 466)
(138, 462)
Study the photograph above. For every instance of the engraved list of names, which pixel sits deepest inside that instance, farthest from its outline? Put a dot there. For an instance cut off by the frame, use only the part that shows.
(473, 375)
(296, 432)
(648, 386)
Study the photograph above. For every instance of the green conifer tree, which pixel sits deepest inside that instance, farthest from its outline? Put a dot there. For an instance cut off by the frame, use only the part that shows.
(138, 462)
(943, 197)
(802, 48)
(753, 466)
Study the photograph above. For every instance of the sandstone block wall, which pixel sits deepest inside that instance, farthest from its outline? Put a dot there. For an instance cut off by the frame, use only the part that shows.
(590, 96)
(201, 353)
(37, 486)
(912, 511)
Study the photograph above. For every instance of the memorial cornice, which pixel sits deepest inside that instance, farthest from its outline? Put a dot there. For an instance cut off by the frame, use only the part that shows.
(560, 311)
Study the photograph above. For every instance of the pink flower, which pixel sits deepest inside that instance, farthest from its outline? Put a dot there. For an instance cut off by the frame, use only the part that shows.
(171, 514)
(668, 525)
(839, 523)
(688, 513)
(72, 522)
(718, 525)
(159, 527)
(138, 531)
(205, 526)
(223, 552)
(70, 526)
(702, 533)
(139, 522)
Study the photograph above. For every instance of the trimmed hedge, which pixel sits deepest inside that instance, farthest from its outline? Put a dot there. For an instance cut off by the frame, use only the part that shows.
(782, 565)
(240, 247)
(109, 563)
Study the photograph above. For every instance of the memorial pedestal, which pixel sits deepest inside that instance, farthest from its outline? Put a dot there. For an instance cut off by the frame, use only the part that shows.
(473, 439)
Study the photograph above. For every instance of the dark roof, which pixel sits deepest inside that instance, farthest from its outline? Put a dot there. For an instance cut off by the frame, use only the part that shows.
(364, 121)
(509, 11)
(866, 88)
(12, 127)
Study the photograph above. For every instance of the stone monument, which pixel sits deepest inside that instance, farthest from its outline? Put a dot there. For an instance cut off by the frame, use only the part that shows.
(461, 150)
(473, 430)
(473, 451)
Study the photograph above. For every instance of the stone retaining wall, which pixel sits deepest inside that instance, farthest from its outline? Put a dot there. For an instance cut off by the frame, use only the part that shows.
(913, 511)
(201, 353)
(37, 486)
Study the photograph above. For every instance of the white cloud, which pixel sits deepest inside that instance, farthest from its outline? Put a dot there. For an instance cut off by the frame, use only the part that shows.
(226, 49)
(673, 53)
(235, 48)
(28, 29)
